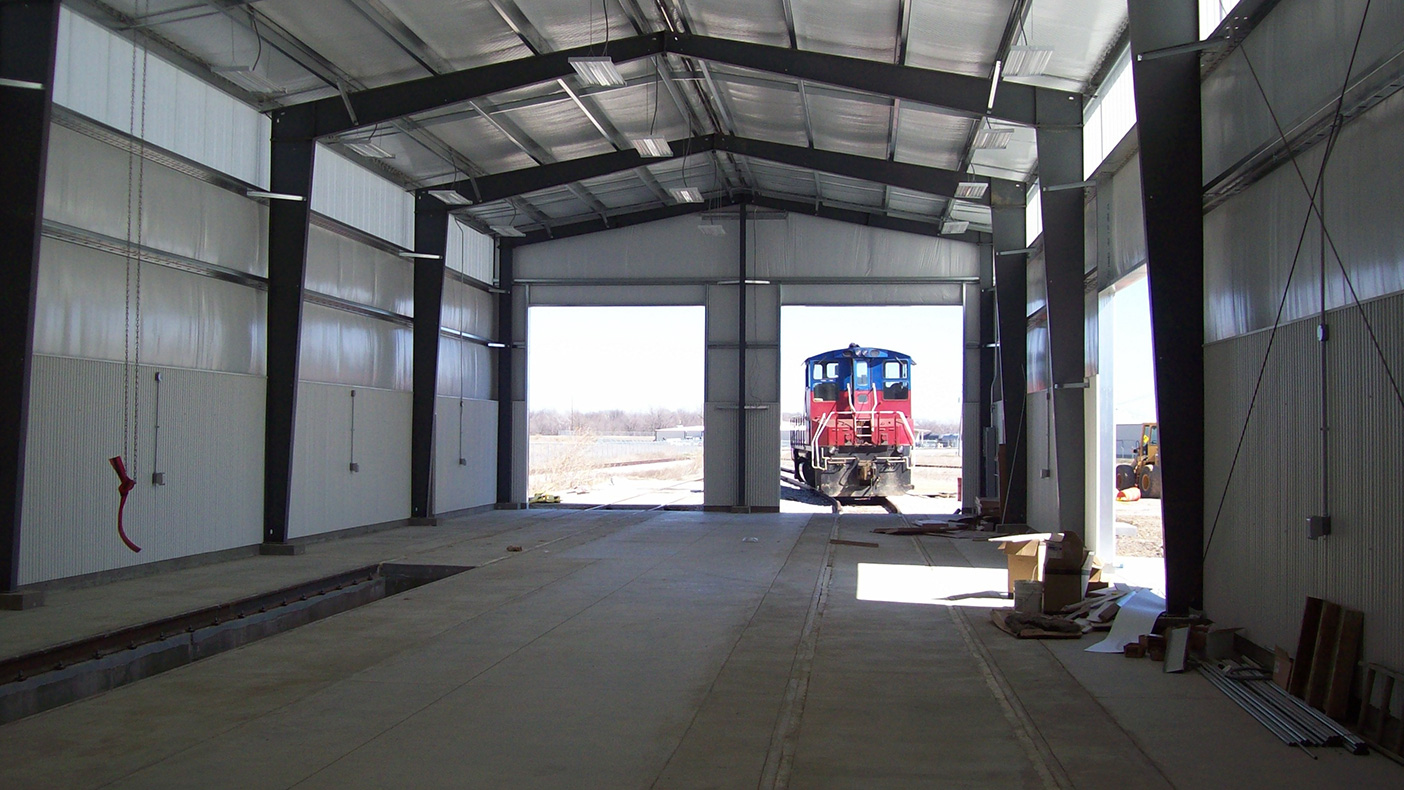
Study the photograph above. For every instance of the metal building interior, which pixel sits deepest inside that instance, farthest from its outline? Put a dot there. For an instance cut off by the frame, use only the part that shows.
(328, 219)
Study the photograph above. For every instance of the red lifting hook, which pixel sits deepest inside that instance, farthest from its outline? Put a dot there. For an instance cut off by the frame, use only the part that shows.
(124, 487)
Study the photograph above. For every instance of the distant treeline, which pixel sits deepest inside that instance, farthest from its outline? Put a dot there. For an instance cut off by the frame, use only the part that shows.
(607, 423)
(617, 422)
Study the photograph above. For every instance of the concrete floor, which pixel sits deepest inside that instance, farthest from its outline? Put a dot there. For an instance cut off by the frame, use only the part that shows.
(630, 649)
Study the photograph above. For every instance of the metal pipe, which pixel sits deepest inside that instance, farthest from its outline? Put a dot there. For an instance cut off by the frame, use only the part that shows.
(1274, 724)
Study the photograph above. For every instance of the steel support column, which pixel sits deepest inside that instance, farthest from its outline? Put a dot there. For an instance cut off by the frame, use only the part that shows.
(741, 499)
(1011, 302)
(430, 238)
(1167, 101)
(28, 32)
(288, 224)
(1064, 253)
(505, 375)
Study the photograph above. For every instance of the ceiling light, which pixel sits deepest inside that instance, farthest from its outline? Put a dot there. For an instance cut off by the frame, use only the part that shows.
(495, 344)
(994, 83)
(954, 227)
(428, 256)
(369, 150)
(507, 230)
(652, 146)
(996, 137)
(971, 189)
(1027, 61)
(711, 229)
(248, 79)
(597, 71)
(686, 194)
(451, 197)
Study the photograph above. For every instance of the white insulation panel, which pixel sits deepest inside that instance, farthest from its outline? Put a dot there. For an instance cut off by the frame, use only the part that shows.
(102, 76)
(345, 348)
(327, 496)
(212, 459)
(471, 253)
(464, 429)
(345, 268)
(349, 193)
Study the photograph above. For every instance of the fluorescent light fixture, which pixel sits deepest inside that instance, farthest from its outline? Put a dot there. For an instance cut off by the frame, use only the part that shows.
(1020, 251)
(600, 72)
(258, 193)
(746, 282)
(971, 189)
(686, 194)
(711, 229)
(992, 137)
(954, 227)
(451, 197)
(495, 344)
(994, 83)
(1180, 49)
(507, 230)
(1028, 61)
(652, 146)
(248, 79)
(1074, 185)
(369, 150)
(6, 82)
(428, 256)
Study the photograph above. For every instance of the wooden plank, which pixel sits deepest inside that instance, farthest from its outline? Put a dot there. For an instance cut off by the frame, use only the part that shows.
(1319, 679)
(1384, 708)
(1362, 719)
(1343, 664)
(1306, 646)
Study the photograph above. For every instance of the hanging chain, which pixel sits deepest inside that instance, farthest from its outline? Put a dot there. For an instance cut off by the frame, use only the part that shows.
(141, 201)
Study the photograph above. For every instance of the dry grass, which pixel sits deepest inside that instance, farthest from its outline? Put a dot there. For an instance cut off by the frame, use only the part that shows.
(582, 463)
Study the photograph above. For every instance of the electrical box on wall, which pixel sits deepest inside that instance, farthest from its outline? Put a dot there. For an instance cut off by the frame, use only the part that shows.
(1318, 526)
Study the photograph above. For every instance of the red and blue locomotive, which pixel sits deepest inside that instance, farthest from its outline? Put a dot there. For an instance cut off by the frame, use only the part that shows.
(858, 435)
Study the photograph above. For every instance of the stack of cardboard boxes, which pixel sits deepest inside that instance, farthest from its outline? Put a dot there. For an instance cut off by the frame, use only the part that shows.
(1058, 559)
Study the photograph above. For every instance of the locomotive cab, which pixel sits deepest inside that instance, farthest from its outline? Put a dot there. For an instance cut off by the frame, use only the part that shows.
(857, 440)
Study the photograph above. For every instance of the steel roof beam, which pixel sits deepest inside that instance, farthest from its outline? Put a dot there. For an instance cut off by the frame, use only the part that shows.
(918, 178)
(959, 93)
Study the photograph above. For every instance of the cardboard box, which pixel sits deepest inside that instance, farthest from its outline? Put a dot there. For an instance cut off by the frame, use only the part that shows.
(1025, 554)
(1065, 571)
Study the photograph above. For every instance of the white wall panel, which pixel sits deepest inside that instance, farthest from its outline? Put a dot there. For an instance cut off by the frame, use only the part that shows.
(464, 429)
(92, 185)
(1260, 566)
(344, 348)
(803, 246)
(471, 253)
(644, 252)
(468, 309)
(923, 294)
(211, 449)
(187, 320)
(349, 193)
(1300, 52)
(105, 78)
(1040, 434)
(614, 295)
(465, 368)
(345, 268)
(1250, 241)
(1128, 220)
(326, 495)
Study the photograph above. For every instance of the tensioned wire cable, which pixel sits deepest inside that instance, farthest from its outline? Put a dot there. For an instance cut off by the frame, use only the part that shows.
(1337, 124)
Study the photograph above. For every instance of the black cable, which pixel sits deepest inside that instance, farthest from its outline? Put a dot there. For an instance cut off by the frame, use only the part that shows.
(253, 20)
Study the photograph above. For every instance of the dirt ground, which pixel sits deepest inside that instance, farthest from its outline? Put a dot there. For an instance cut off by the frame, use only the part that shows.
(1144, 516)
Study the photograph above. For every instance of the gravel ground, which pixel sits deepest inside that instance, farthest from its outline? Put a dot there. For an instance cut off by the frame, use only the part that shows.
(1144, 516)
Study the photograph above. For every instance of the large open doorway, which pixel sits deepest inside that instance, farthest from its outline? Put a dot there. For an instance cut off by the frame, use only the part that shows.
(933, 337)
(614, 401)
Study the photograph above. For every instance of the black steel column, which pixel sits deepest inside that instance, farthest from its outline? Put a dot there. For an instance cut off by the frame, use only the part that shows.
(291, 175)
(1168, 110)
(1064, 253)
(1011, 304)
(430, 238)
(28, 32)
(741, 359)
(505, 330)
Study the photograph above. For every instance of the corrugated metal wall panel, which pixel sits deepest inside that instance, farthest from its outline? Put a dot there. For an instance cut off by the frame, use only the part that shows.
(719, 453)
(89, 183)
(464, 429)
(803, 246)
(1040, 434)
(471, 253)
(327, 496)
(1250, 241)
(1260, 565)
(345, 348)
(1128, 221)
(187, 320)
(212, 458)
(468, 309)
(613, 295)
(1300, 51)
(464, 368)
(349, 193)
(94, 76)
(874, 295)
(763, 456)
(347, 269)
(643, 252)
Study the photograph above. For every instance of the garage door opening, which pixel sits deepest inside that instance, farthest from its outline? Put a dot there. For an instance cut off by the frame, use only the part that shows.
(614, 401)
(932, 336)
